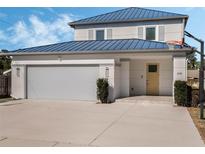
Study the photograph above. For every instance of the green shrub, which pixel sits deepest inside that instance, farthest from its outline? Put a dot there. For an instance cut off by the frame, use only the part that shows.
(182, 93)
(102, 90)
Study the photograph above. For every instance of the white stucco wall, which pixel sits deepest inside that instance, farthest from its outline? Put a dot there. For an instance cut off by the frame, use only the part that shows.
(180, 68)
(125, 78)
(117, 82)
(138, 76)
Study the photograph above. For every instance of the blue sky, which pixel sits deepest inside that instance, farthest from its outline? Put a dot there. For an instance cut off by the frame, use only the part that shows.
(26, 27)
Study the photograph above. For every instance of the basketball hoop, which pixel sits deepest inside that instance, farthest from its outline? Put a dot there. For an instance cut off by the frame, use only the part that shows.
(174, 42)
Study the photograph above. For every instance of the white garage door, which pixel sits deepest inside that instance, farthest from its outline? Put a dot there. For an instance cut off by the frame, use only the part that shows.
(62, 82)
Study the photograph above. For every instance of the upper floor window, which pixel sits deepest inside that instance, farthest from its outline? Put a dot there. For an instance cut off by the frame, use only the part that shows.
(100, 34)
(150, 33)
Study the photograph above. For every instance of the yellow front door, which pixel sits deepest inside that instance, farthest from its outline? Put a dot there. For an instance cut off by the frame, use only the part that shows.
(152, 82)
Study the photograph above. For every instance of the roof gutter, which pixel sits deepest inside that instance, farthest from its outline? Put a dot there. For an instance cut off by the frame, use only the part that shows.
(73, 24)
(187, 50)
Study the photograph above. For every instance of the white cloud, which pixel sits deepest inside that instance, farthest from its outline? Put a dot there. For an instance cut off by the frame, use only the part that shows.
(2, 36)
(38, 32)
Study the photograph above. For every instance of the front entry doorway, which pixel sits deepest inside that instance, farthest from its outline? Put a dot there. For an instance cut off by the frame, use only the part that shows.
(152, 81)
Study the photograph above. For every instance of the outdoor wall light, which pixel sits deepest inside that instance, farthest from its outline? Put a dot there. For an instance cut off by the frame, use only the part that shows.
(107, 72)
(18, 72)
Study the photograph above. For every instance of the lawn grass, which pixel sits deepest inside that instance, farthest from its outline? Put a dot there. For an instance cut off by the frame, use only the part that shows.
(199, 123)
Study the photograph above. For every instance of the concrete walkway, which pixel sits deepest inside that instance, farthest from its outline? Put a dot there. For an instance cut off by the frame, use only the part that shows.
(147, 99)
(62, 123)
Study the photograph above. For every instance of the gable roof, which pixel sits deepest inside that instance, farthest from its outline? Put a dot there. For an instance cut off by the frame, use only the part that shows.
(94, 46)
(128, 15)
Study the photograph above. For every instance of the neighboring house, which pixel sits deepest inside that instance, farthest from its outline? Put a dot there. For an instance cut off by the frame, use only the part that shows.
(128, 47)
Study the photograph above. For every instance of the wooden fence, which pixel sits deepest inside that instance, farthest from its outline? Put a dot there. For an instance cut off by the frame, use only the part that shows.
(193, 74)
(5, 85)
(193, 78)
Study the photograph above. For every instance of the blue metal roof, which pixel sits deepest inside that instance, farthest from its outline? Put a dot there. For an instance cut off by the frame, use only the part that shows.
(93, 46)
(128, 15)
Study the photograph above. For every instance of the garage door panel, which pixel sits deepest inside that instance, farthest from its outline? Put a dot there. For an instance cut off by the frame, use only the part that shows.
(67, 82)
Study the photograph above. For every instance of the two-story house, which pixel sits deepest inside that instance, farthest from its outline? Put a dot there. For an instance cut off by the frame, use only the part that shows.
(128, 47)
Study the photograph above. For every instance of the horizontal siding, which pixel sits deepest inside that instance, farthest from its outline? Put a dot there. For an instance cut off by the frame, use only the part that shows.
(172, 31)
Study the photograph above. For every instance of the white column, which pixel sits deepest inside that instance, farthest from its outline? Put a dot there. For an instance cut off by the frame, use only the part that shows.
(125, 78)
(18, 81)
(179, 69)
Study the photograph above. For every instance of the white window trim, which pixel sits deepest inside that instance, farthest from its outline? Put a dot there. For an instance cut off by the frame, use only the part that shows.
(94, 32)
(156, 31)
(105, 32)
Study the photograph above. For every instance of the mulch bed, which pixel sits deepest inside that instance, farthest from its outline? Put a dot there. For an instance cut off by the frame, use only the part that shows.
(199, 123)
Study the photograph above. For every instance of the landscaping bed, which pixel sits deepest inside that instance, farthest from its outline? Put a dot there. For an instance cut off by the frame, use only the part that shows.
(1, 97)
(5, 99)
(200, 124)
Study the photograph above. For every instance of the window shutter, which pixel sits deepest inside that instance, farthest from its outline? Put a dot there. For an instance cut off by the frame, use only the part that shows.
(161, 33)
(140, 33)
(109, 33)
(90, 34)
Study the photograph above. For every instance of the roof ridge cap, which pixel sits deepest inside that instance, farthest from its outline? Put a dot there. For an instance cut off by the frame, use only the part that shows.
(100, 15)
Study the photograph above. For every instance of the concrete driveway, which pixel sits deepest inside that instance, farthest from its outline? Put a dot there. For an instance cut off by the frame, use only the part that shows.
(148, 122)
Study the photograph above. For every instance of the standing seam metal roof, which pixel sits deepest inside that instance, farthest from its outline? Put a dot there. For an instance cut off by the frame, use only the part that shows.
(99, 46)
(128, 14)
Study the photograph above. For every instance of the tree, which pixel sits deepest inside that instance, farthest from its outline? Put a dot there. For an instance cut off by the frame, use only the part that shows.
(192, 62)
(5, 63)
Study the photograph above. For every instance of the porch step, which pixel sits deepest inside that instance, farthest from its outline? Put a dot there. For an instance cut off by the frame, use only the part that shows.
(147, 99)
